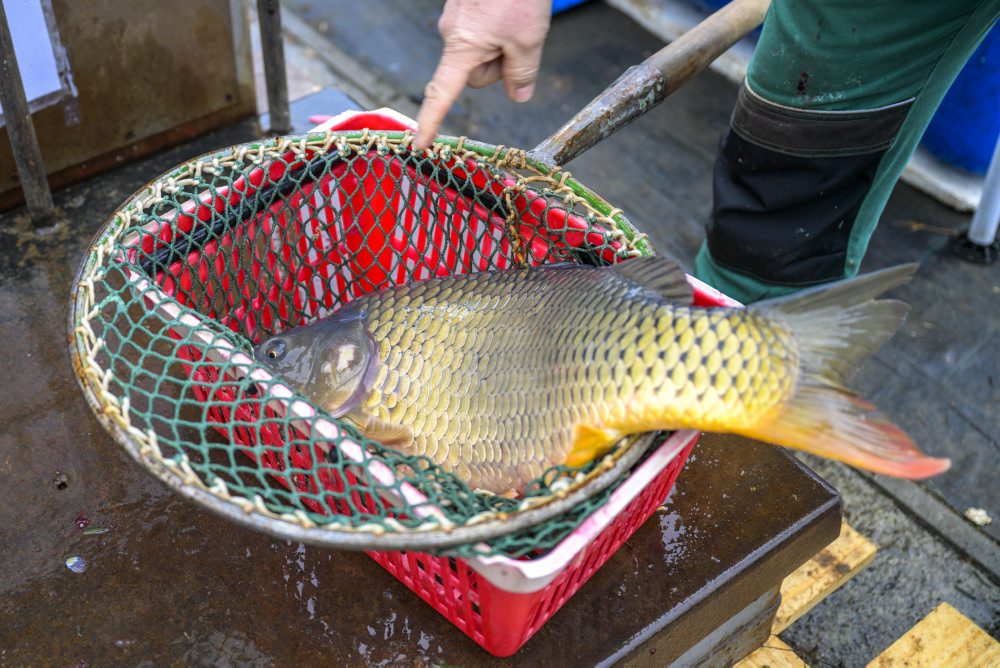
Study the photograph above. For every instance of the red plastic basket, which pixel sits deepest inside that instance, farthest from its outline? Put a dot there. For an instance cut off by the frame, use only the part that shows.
(483, 596)
(498, 601)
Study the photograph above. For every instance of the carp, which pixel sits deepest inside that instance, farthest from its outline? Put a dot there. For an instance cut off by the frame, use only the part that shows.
(497, 376)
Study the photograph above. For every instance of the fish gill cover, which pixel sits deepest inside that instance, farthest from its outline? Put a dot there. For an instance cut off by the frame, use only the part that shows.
(237, 245)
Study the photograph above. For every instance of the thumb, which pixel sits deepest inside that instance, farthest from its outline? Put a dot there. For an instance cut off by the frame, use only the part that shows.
(520, 69)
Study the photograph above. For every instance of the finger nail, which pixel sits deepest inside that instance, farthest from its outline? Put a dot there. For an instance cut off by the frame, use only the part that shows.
(524, 93)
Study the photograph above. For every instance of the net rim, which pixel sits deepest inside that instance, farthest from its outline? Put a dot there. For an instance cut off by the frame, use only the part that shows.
(177, 473)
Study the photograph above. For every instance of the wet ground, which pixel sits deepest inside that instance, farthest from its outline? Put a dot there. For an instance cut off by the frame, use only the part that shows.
(169, 583)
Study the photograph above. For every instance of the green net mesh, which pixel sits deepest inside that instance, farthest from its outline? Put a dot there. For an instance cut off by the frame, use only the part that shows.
(236, 245)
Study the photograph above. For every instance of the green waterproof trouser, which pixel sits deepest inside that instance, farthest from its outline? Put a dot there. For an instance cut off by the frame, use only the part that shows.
(836, 98)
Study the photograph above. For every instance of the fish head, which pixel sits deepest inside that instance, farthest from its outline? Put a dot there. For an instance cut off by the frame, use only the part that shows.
(332, 361)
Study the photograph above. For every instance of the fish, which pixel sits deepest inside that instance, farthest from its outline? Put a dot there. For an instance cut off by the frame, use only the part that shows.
(497, 376)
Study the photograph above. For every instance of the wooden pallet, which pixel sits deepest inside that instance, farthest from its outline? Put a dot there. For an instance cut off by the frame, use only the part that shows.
(944, 637)
(773, 654)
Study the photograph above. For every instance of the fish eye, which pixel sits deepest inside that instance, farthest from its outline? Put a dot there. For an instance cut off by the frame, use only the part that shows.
(275, 350)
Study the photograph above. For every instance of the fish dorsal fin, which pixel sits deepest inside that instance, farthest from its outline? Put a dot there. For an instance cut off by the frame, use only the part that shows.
(660, 274)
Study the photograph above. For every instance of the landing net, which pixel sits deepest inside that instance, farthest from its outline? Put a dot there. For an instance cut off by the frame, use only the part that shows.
(236, 245)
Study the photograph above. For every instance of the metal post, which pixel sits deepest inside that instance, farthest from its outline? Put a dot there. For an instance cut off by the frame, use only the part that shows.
(21, 130)
(269, 17)
(984, 224)
(980, 244)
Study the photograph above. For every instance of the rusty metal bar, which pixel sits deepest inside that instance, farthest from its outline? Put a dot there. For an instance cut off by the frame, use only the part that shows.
(647, 84)
(269, 17)
(21, 131)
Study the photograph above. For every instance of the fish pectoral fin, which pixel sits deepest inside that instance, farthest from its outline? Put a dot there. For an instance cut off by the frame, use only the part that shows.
(391, 434)
(589, 443)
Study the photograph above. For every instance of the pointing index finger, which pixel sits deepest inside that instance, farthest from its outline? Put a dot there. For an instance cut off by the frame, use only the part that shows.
(441, 92)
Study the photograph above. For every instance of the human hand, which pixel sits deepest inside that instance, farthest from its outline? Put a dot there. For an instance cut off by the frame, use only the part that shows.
(484, 41)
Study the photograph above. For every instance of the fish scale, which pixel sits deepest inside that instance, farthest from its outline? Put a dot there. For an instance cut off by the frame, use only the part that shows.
(497, 376)
(577, 366)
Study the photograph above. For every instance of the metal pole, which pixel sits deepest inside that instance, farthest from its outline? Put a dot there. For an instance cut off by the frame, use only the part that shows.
(269, 17)
(984, 223)
(980, 244)
(21, 130)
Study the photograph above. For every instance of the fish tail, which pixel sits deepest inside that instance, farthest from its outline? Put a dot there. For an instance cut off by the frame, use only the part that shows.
(836, 327)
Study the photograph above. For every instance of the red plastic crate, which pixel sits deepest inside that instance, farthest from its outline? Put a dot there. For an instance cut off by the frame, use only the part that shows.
(498, 601)
(500, 619)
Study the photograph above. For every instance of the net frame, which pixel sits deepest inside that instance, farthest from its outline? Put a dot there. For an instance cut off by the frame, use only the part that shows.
(516, 184)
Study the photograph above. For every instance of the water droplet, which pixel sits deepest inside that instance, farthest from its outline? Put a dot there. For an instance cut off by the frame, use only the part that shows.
(77, 564)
